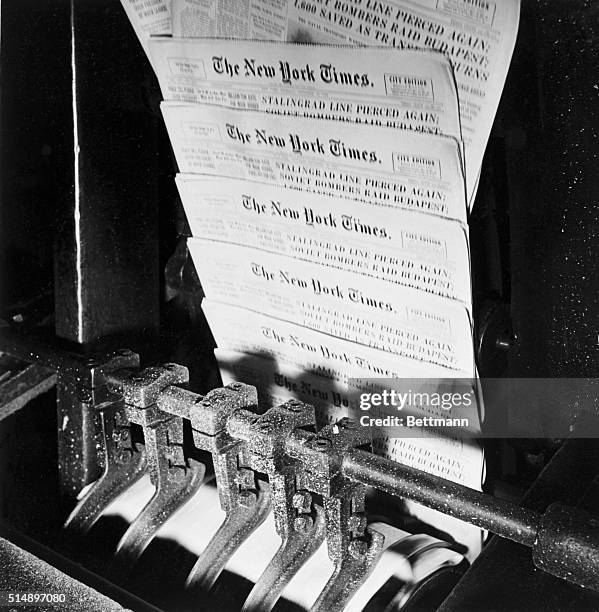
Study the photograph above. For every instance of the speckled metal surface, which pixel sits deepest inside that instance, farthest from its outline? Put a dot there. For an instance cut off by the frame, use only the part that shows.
(141, 389)
(297, 546)
(22, 387)
(19, 568)
(564, 541)
(548, 124)
(567, 545)
(87, 372)
(353, 548)
(175, 477)
(81, 388)
(496, 515)
(240, 522)
(297, 461)
(503, 578)
(299, 523)
(124, 463)
(245, 500)
(209, 415)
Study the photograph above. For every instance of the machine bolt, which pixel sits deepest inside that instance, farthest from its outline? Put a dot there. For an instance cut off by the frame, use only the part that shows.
(123, 456)
(302, 501)
(358, 549)
(357, 523)
(294, 406)
(347, 423)
(303, 523)
(322, 444)
(247, 498)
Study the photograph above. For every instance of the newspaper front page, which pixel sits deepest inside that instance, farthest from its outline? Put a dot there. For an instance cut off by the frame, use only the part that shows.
(414, 171)
(246, 331)
(361, 309)
(411, 249)
(477, 36)
(413, 90)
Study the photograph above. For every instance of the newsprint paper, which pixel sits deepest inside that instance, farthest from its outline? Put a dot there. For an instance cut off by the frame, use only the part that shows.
(392, 244)
(149, 18)
(327, 187)
(460, 460)
(402, 169)
(278, 382)
(361, 309)
(477, 36)
(413, 90)
(246, 331)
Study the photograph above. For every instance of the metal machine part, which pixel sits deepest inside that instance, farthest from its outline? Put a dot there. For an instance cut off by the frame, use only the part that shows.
(23, 562)
(298, 521)
(21, 382)
(545, 160)
(245, 500)
(569, 478)
(302, 465)
(429, 561)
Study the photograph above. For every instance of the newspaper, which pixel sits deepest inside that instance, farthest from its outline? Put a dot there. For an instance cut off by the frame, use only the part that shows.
(246, 331)
(401, 169)
(149, 17)
(346, 305)
(277, 382)
(411, 249)
(417, 176)
(249, 19)
(413, 90)
(478, 37)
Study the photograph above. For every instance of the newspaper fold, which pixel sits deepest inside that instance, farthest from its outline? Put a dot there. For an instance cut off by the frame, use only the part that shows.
(411, 249)
(278, 382)
(477, 36)
(413, 90)
(365, 310)
(401, 169)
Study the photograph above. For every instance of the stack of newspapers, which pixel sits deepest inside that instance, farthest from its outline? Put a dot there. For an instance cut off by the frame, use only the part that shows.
(328, 187)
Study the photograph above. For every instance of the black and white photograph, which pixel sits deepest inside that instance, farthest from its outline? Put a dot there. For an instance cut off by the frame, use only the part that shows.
(299, 306)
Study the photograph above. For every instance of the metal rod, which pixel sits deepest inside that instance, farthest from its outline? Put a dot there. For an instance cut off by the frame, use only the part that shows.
(48, 353)
(496, 515)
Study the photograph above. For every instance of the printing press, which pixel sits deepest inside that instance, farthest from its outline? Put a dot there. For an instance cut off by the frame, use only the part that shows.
(131, 478)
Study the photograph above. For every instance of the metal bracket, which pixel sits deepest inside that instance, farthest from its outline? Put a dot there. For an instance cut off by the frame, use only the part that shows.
(123, 465)
(298, 521)
(245, 501)
(352, 546)
(175, 477)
